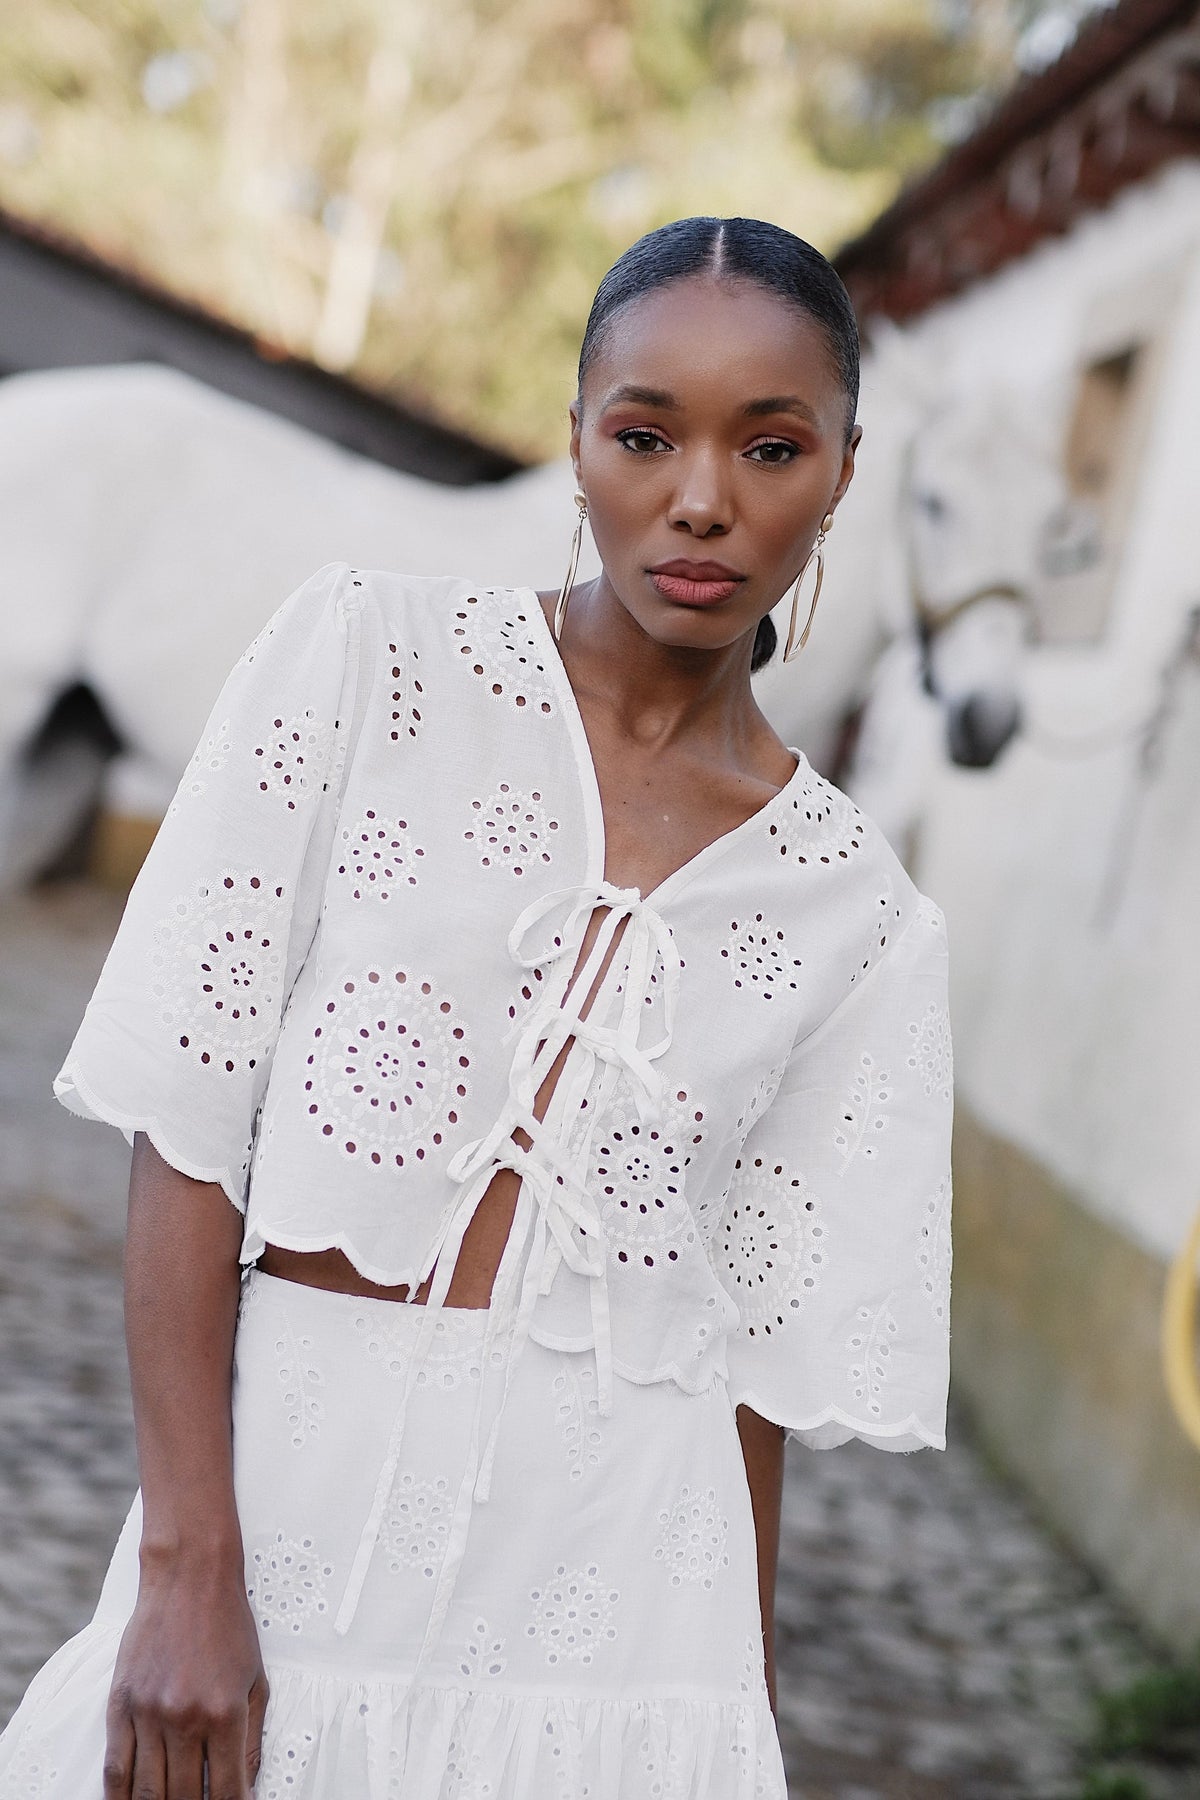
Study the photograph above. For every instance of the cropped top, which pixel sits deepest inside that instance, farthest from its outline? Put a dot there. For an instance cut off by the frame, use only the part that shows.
(346, 966)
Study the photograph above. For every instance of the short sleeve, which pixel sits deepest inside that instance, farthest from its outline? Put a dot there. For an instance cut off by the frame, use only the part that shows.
(179, 1033)
(834, 1241)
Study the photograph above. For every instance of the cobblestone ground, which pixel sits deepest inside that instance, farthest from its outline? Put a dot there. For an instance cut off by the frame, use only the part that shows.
(935, 1642)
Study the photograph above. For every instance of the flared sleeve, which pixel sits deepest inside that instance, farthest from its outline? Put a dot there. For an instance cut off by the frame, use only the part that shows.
(834, 1242)
(179, 1033)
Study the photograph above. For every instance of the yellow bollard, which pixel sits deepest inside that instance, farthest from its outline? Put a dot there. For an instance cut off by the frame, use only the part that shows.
(1179, 1335)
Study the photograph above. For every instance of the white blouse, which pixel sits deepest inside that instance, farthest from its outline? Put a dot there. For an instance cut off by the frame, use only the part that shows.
(341, 978)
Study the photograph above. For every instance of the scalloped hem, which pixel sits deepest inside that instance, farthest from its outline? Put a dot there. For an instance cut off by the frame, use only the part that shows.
(73, 1092)
(327, 1738)
(833, 1426)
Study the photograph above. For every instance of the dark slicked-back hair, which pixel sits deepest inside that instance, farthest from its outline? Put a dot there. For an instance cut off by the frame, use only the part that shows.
(737, 250)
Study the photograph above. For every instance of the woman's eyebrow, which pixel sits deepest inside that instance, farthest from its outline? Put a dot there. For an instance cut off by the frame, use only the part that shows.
(643, 396)
(777, 403)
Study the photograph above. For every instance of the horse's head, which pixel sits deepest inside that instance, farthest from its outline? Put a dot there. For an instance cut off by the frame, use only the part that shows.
(980, 485)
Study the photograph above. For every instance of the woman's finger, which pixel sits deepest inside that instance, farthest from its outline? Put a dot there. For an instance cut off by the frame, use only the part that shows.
(119, 1748)
(185, 1766)
(259, 1695)
(149, 1764)
(226, 1753)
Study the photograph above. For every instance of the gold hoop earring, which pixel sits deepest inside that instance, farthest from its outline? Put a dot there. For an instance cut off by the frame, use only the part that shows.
(564, 593)
(795, 645)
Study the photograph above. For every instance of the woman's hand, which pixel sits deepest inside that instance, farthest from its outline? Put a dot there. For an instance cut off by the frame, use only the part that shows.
(188, 1692)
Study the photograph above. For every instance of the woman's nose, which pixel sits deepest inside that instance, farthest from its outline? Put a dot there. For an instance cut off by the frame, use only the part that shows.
(702, 502)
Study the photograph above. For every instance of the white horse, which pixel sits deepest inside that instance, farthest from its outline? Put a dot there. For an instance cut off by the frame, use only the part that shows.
(149, 525)
(943, 528)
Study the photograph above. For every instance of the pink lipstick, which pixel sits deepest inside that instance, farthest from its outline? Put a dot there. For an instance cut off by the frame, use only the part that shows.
(695, 583)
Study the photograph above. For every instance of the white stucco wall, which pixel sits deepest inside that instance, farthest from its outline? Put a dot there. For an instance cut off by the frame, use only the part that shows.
(1072, 881)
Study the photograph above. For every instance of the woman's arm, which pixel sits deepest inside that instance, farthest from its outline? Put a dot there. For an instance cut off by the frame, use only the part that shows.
(762, 1448)
(189, 1687)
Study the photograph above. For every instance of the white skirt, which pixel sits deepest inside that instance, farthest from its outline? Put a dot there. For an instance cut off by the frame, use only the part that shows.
(589, 1627)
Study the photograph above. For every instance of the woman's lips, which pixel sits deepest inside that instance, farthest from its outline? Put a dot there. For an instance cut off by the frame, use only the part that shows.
(687, 591)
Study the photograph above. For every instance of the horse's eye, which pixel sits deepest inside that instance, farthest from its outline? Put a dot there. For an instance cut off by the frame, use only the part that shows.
(932, 505)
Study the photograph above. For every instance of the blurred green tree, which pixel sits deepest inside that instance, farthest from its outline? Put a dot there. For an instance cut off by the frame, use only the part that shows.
(426, 195)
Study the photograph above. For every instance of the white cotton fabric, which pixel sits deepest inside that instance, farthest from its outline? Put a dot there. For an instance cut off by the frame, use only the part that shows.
(343, 971)
(604, 1636)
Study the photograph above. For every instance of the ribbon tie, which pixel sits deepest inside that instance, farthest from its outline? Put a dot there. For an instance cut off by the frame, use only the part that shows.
(556, 1220)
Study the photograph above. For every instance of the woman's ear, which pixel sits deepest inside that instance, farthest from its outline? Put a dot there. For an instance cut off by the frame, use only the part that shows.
(847, 471)
(576, 415)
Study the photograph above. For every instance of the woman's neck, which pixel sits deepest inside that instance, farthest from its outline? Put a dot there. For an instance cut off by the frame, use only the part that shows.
(659, 695)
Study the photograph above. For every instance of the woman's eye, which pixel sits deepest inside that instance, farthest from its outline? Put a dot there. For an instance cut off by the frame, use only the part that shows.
(642, 443)
(773, 451)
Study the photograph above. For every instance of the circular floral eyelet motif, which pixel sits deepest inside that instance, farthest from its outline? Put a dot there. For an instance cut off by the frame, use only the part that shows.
(389, 1070)
(573, 1614)
(290, 759)
(378, 856)
(496, 643)
(759, 958)
(288, 1589)
(415, 1531)
(772, 1244)
(512, 830)
(820, 828)
(219, 963)
(639, 1174)
(691, 1544)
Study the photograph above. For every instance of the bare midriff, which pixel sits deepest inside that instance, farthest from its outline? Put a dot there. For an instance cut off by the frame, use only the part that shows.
(486, 1235)
(474, 1271)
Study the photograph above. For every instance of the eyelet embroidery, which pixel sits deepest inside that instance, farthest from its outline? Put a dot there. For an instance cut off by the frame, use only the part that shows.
(640, 1172)
(451, 1358)
(691, 1544)
(33, 1773)
(872, 1344)
(773, 1244)
(499, 646)
(299, 1380)
(864, 1114)
(935, 1251)
(821, 828)
(930, 1055)
(285, 1761)
(220, 951)
(378, 856)
(288, 1590)
(289, 759)
(573, 1614)
(408, 694)
(417, 1525)
(885, 916)
(759, 959)
(760, 1099)
(382, 1088)
(208, 759)
(512, 830)
(483, 1654)
(577, 1413)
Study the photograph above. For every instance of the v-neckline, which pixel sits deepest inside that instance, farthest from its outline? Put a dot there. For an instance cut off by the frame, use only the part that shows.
(597, 834)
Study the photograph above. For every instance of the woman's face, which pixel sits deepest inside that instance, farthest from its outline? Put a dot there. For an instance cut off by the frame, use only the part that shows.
(711, 444)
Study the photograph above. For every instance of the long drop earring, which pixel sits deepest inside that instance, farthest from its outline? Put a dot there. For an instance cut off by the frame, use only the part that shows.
(564, 593)
(795, 645)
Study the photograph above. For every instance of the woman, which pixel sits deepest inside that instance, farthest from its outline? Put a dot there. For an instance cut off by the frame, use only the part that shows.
(496, 956)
